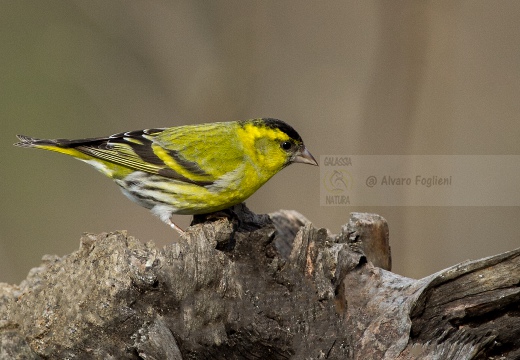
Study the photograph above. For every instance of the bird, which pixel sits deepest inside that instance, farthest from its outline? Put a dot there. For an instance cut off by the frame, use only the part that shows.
(188, 169)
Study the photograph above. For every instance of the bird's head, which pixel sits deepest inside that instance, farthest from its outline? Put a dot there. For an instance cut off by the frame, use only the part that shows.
(274, 144)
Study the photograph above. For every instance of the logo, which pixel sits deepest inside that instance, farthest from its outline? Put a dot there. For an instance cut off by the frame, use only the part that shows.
(337, 181)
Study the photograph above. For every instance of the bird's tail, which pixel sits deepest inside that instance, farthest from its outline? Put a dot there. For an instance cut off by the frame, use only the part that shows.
(59, 145)
(27, 141)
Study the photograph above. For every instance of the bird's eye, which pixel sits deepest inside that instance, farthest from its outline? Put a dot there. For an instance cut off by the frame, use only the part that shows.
(286, 145)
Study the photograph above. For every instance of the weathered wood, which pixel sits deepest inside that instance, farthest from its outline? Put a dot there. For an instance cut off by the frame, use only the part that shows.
(259, 287)
(369, 232)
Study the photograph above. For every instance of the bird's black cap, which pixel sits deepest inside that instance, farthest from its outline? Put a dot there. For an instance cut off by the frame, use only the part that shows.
(282, 126)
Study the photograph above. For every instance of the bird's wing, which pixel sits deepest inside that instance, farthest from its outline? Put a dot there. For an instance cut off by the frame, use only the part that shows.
(201, 152)
(139, 151)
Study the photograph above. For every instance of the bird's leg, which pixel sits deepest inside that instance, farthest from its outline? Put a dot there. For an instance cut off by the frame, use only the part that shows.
(165, 214)
(175, 227)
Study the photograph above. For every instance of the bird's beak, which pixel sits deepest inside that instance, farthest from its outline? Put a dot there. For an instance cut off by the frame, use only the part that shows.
(304, 156)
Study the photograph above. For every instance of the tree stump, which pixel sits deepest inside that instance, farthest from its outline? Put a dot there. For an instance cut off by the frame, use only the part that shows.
(249, 286)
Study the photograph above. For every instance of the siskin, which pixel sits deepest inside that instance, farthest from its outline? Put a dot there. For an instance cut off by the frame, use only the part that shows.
(191, 169)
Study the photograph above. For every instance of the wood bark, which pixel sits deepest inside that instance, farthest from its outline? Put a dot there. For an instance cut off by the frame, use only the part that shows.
(249, 286)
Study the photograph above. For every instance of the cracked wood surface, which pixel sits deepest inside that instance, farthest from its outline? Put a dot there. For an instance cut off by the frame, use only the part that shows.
(249, 286)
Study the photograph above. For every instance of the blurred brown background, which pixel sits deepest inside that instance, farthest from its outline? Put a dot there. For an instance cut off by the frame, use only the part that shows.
(353, 77)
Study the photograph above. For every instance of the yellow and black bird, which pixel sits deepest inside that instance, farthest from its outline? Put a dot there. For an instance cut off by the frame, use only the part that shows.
(191, 169)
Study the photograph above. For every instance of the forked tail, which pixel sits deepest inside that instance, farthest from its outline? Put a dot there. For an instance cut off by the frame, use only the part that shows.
(27, 141)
